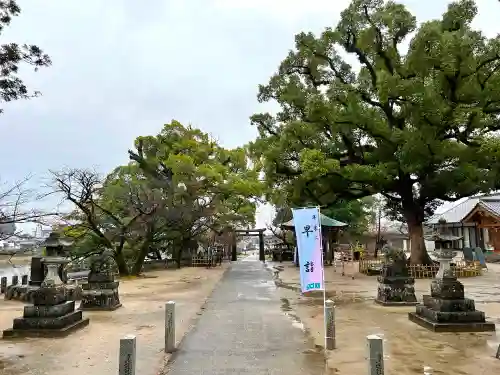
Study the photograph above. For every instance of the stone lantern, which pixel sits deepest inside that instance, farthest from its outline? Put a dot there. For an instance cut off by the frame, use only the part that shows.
(446, 309)
(51, 314)
(55, 259)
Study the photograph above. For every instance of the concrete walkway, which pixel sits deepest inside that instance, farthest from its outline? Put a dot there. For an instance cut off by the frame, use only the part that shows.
(244, 331)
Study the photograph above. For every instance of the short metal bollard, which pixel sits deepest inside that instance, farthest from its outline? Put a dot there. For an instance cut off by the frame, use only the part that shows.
(427, 370)
(127, 359)
(170, 327)
(15, 280)
(497, 356)
(375, 355)
(330, 324)
(3, 284)
(24, 279)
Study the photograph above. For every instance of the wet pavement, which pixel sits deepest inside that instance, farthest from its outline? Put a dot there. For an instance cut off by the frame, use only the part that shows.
(244, 330)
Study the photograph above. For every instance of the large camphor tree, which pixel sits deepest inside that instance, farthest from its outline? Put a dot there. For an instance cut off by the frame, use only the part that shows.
(414, 119)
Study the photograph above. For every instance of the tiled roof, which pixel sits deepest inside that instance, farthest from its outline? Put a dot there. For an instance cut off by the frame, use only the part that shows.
(457, 213)
(492, 205)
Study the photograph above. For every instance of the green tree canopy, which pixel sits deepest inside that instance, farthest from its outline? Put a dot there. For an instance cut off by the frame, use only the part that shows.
(13, 55)
(416, 126)
(178, 186)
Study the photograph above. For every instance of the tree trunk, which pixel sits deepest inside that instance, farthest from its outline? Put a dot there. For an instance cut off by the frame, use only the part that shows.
(121, 264)
(418, 252)
(143, 252)
(139, 261)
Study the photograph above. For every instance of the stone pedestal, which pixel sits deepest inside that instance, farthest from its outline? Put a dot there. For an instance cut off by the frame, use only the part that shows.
(101, 292)
(51, 315)
(396, 291)
(396, 287)
(446, 309)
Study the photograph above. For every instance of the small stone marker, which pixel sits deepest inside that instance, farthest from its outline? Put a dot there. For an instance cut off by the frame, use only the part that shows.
(375, 355)
(15, 280)
(427, 370)
(24, 279)
(170, 327)
(3, 284)
(330, 324)
(126, 361)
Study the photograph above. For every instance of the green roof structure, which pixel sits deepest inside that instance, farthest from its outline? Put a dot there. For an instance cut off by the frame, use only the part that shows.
(325, 222)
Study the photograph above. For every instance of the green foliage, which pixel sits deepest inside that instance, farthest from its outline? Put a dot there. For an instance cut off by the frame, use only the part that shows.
(209, 187)
(178, 186)
(417, 127)
(13, 56)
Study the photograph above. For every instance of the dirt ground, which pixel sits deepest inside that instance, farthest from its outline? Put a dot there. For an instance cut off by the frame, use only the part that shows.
(94, 349)
(407, 346)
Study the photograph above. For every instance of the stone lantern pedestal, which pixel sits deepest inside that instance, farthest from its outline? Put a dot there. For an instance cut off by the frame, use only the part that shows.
(51, 314)
(446, 309)
(101, 290)
(100, 293)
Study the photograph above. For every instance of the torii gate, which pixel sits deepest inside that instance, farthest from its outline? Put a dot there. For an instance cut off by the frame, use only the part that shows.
(249, 233)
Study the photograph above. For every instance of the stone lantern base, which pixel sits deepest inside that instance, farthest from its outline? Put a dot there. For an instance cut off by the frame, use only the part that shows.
(446, 309)
(52, 315)
(396, 291)
(100, 293)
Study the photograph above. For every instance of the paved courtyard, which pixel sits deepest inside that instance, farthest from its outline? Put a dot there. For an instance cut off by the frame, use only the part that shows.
(244, 331)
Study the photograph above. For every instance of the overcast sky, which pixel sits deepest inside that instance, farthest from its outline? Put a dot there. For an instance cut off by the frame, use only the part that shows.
(122, 69)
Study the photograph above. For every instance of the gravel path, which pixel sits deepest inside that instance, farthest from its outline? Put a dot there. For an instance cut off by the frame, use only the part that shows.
(244, 331)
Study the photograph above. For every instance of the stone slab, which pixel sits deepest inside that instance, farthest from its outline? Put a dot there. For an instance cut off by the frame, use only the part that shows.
(445, 305)
(450, 317)
(47, 322)
(91, 285)
(447, 288)
(397, 280)
(99, 308)
(49, 311)
(390, 303)
(101, 277)
(50, 295)
(49, 333)
(451, 327)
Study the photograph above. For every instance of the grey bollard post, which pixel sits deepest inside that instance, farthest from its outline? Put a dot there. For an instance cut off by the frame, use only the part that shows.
(170, 327)
(427, 370)
(24, 279)
(497, 356)
(126, 361)
(3, 284)
(375, 355)
(15, 280)
(330, 324)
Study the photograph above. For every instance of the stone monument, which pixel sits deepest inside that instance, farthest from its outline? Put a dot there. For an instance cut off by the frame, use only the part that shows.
(101, 290)
(51, 314)
(54, 246)
(446, 309)
(396, 287)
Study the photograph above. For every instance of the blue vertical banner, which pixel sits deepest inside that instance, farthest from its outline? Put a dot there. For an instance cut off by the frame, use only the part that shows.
(308, 233)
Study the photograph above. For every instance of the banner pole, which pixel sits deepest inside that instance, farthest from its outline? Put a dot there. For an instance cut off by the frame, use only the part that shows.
(323, 278)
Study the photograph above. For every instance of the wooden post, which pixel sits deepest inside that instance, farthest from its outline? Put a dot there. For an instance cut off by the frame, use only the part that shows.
(170, 327)
(330, 324)
(127, 359)
(375, 355)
